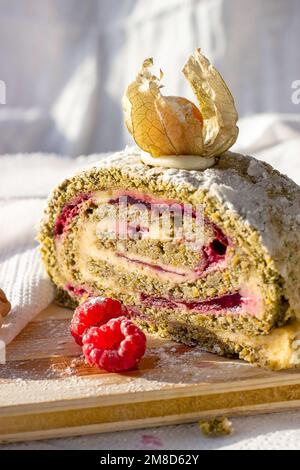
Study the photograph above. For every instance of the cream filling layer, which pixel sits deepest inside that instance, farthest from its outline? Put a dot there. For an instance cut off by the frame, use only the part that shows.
(281, 347)
(87, 248)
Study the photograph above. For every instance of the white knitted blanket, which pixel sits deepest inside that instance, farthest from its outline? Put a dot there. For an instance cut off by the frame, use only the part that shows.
(25, 182)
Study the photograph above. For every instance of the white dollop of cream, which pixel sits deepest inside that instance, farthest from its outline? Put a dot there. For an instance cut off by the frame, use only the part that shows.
(181, 162)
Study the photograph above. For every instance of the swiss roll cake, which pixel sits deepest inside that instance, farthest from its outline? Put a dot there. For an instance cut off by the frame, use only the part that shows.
(208, 257)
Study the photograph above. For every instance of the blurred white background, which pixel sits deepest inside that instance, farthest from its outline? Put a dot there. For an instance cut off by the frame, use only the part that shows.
(66, 63)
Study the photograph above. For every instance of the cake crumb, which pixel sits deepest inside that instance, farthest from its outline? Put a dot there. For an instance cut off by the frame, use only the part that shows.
(219, 426)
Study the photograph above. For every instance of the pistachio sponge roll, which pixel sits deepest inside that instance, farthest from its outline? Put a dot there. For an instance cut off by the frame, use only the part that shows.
(204, 257)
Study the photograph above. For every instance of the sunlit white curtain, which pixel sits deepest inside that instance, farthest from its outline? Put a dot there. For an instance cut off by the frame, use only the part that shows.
(66, 63)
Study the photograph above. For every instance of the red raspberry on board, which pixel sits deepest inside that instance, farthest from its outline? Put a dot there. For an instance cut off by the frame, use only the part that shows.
(116, 346)
(95, 311)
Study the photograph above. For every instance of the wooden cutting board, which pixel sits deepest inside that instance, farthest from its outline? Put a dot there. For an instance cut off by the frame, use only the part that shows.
(46, 389)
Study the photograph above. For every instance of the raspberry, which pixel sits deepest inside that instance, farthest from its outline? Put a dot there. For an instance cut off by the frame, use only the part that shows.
(69, 211)
(95, 311)
(116, 346)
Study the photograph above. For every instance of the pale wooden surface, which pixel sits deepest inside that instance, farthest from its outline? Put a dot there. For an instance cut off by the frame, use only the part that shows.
(47, 390)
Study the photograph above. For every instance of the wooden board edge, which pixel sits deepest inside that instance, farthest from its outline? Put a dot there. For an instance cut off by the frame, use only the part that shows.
(140, 415)
(143, 423)
(180, 392)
